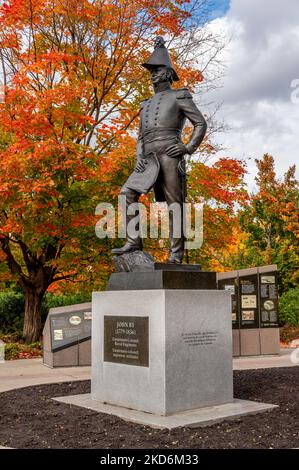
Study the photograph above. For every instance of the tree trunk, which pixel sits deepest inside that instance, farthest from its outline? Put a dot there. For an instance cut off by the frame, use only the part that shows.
(32, 319)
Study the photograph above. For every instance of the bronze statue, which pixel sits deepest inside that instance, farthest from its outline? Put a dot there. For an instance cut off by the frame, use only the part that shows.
(160, 150)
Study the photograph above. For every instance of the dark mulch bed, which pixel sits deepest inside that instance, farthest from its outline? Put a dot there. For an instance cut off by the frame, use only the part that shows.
(30, 419)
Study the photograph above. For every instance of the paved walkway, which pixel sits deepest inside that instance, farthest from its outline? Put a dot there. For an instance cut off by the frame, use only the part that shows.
(26, 372)
(265, 362)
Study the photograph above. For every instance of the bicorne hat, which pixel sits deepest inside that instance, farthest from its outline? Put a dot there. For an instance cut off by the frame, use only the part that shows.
(160, 57)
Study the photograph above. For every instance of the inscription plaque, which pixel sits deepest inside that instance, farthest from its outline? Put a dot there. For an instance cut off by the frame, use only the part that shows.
(126, 340)
(200, 338)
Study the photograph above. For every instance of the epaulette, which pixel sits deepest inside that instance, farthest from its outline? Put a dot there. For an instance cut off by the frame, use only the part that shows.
(183, 93)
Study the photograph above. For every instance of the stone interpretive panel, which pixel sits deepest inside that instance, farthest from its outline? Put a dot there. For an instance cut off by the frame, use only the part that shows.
(254, 297)
(231, 285)
(69, 328)
(254, 308)
(249, 301)
(269, 300)
(126, 340)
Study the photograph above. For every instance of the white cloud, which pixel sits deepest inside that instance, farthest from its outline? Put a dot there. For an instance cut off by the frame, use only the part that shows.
(262, 61)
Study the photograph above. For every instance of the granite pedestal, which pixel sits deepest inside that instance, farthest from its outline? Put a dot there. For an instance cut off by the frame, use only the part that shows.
(162, 351)
(163, 279)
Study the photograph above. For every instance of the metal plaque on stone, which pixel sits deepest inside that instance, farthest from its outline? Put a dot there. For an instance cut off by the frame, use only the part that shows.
(126, 340)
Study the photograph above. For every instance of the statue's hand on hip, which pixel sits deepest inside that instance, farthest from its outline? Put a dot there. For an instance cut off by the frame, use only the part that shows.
(177, 150)
(140, 166)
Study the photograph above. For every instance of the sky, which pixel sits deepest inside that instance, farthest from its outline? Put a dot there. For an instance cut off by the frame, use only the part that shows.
(219, 8)
(262, 60)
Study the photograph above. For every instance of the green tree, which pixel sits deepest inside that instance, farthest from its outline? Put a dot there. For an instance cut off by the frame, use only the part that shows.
(270, 221)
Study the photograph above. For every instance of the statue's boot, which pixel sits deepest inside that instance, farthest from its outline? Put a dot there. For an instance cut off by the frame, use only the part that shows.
(175, 258)
(127, 248)
(176, 252)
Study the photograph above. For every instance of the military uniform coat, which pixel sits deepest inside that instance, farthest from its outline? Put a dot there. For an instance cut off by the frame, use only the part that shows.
(162, 119)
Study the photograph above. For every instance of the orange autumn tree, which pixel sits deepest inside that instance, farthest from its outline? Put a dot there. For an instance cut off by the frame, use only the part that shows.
(72, 89)
(220, 187)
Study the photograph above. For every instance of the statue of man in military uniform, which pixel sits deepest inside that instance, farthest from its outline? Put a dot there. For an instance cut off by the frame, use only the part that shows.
(160, 150)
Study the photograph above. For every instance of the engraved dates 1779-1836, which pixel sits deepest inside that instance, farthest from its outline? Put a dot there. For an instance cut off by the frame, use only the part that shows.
(126, 340)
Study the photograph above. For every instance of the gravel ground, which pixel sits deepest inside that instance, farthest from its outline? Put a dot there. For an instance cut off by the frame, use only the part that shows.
(30, 419)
